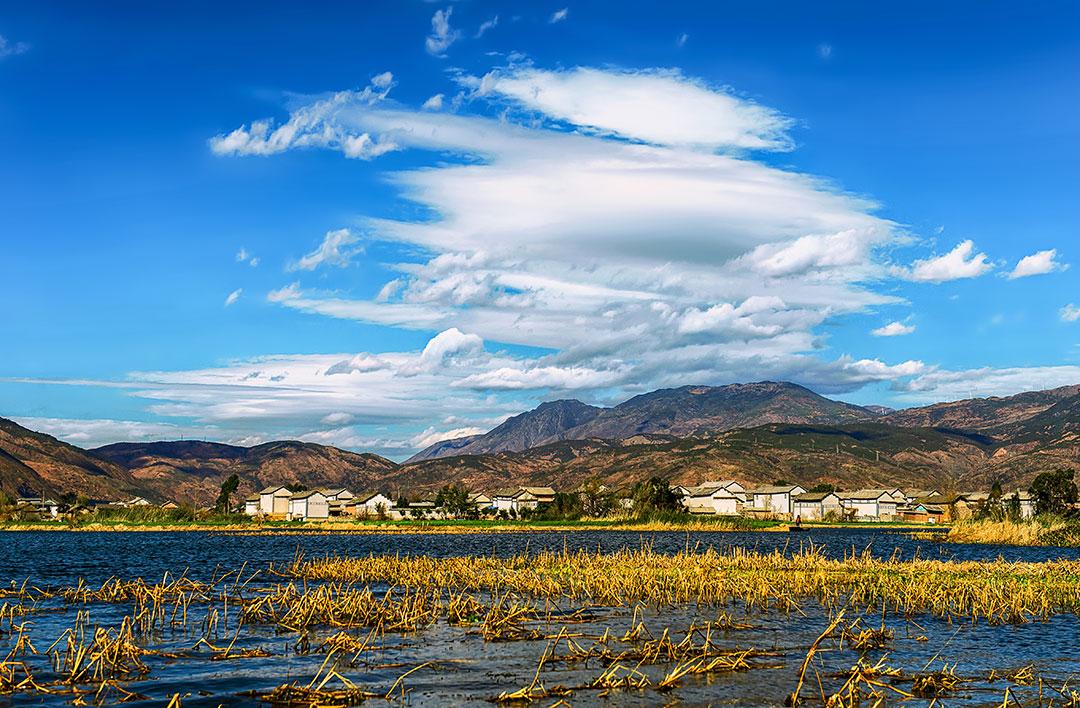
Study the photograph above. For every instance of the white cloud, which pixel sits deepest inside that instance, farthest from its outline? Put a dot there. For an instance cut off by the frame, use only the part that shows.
(1070, 313)
(893, 329)
(431, 436)
(961, 262)
(824, 50)
(628, 266)
(242, 256)
(486, 26)
(313, 125)
(1037, 263)
(846, 249)
(566, 378)
(92, 433)
(435, 103)
(950, 385)
(449, 347)
(681, 40)
(10, 49)
(338, 418)
(383, 81)
(334, 250)
(662, 107)
(559, 15)
(442, 35)
(233, 296)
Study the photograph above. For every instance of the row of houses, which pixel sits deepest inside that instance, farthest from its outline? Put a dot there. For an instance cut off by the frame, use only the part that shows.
(280, 502)
(729, 498)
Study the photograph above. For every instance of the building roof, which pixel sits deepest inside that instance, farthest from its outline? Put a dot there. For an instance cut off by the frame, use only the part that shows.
(307, 494)
(366, 496)
(815, 496)
(866, 494)
(540, 491)
(891, 491)
(276, 488)
(720, 483)
(515, 492)
(774, 489)
(711, 492)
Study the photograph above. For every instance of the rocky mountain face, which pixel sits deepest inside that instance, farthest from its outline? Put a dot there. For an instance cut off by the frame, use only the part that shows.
(548, 421)
(994, 413)
(849, 456)
(705, 410)
(682, 412)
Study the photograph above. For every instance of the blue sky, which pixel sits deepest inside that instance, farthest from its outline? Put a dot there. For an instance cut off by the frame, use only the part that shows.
(381, 224)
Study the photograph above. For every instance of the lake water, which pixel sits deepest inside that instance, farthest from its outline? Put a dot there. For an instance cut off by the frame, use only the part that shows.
(466, 670)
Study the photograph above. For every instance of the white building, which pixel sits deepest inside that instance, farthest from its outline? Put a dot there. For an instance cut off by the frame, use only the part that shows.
(369, 503)
(274, 501)
(520, 498)
(776, 499)
(481, 501)
(870, 504)
(814, 506)
(338, 494)
(309, 505)
(713, 500)
(251, 505)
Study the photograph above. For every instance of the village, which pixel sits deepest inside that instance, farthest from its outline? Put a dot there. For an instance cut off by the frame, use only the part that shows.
(711, 498)
(723, 498)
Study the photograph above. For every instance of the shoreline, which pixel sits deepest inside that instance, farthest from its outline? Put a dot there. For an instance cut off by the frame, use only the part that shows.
(415, 527)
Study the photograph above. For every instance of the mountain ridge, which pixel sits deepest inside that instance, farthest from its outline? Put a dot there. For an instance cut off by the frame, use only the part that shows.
(675, 433)
(681, 411)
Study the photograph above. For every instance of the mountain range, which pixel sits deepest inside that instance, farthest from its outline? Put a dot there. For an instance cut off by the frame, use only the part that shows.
(756, 433)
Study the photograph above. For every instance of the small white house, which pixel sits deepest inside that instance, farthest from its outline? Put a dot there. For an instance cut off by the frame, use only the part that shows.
(338, 494)
(728, 484)
(520, 498)
(369, 503)
(309, 505)
(274, 501)
(713, 500)
(814, 506)
(870, 504)
(776, 499)
(481, 501)
(251, 505)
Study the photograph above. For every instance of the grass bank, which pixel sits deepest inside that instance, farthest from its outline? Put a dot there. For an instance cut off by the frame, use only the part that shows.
(178, 520)
(1040, 531)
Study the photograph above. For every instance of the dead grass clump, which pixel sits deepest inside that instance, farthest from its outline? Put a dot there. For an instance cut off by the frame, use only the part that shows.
(995, 591)
(936, 684)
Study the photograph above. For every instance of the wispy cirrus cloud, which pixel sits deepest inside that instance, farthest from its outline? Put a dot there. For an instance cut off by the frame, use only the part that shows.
(10, 49)
(337, 249)
(486, 26)
(442, 34)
